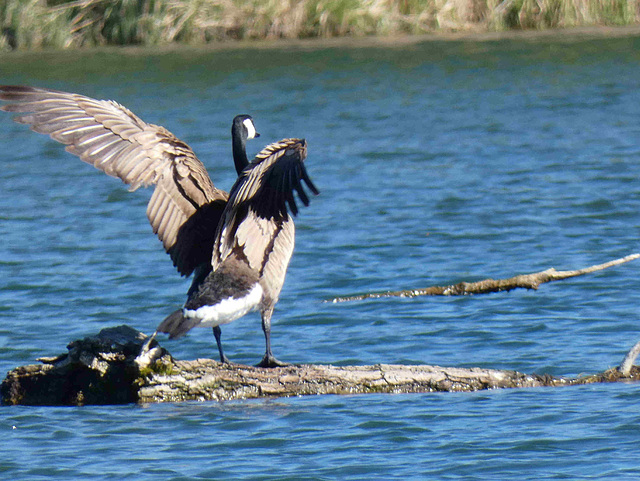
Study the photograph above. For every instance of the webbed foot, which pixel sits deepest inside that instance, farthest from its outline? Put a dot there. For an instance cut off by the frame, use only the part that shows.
(270, 361)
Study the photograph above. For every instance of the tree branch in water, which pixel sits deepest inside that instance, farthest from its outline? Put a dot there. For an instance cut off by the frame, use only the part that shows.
(524, 281)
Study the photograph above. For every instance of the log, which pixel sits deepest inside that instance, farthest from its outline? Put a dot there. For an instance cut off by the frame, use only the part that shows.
(109, 368)
(486, 286)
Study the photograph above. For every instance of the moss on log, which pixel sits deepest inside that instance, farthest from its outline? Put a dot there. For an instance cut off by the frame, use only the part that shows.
(108, 369)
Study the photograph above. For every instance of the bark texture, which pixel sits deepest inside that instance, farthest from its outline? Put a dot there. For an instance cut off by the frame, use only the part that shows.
(109, 369)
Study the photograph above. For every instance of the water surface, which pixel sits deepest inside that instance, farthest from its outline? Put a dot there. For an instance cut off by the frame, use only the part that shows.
(437, 162)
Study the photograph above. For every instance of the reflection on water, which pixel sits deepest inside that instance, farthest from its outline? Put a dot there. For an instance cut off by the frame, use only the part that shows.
(437, 162)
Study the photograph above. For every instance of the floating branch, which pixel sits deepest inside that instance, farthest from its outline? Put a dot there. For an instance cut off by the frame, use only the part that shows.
(525, 281)
(107, 369)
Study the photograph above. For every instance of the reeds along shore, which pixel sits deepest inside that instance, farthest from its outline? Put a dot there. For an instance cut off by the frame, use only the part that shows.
(34, 24)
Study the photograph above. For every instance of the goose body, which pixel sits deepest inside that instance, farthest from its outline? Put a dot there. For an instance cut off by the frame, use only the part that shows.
(237, 245)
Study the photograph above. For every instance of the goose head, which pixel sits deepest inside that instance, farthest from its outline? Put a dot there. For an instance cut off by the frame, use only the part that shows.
(242, 129)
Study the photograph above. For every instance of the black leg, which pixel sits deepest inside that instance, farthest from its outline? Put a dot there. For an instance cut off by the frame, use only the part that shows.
(217, 332)
(269, 360)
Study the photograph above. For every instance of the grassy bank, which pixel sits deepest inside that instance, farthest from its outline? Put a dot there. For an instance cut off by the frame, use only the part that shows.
(33, 24)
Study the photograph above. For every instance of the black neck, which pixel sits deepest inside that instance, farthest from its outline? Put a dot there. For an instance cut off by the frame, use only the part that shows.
(239, 151)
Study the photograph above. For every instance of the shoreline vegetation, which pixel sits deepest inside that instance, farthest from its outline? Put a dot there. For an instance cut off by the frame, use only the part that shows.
(71, 24)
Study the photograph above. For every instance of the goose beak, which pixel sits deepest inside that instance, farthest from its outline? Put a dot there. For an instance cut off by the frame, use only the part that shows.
(256, 135)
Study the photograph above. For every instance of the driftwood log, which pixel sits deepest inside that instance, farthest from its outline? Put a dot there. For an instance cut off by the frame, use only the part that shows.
(109, 369)
(486, 286)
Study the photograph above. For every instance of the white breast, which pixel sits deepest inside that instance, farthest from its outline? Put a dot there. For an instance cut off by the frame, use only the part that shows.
(226, 310)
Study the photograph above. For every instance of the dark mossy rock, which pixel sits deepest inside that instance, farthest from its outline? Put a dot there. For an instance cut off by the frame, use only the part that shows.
(100, 369)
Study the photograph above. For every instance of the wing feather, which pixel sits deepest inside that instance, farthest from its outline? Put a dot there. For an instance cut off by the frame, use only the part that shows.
(113, 139)
(154, 206)
(275, 264)
(256, 214)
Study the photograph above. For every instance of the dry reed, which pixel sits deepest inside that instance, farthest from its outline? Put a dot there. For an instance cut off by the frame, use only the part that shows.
(32, 24)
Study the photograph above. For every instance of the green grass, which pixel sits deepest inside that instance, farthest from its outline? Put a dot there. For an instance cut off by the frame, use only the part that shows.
(34, 24)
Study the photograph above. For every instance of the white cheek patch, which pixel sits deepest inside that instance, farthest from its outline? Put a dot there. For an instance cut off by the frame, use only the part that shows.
(226, 310)
(251, 129)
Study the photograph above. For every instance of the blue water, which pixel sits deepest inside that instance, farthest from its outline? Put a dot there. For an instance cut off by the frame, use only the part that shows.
(439, 162)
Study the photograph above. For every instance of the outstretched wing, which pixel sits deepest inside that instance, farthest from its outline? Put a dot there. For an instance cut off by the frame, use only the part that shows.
(185, 207)
(256, 223)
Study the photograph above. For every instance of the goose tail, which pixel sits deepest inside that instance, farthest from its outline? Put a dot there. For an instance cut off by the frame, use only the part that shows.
(176, 324)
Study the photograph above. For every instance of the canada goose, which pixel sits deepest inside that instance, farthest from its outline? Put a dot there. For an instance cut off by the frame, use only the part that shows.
(238, 245)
